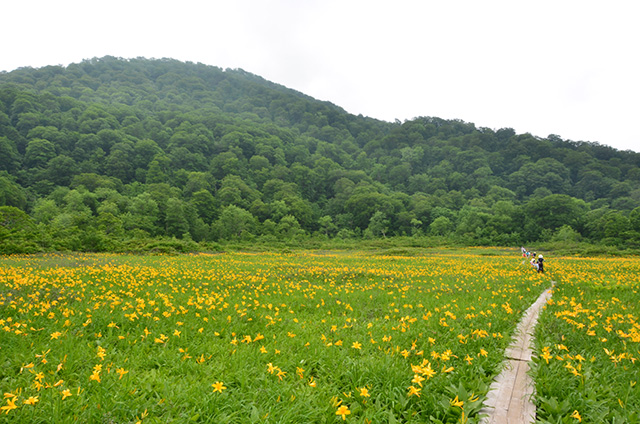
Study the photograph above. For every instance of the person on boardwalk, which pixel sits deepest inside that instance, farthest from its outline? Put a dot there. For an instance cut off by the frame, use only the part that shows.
(540, 263)
(534, 263)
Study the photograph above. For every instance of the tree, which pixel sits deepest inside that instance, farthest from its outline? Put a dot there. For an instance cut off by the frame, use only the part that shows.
(205, 204)
(225, 164)
(45, 211)
(234, 191)
(118, 164)
(378, 224)
(143, 214)
(566, 235)
(9, 154)
(441, 226)
(198, 181)
(61, 169)
(366, 201)
(155, 174)
(235, 223)
(552, 212)
(11, 193)
(16, 231)
(327, 225)
(211, 139)
(288, 227)
(38, 153)
(471, 222)
(176, 221)
(110, 224)
(144, 152)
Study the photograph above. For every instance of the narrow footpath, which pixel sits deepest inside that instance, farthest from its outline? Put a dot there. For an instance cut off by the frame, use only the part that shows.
(509, 400)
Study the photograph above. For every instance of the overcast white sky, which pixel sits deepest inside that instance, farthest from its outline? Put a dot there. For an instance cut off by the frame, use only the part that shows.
(564, 67)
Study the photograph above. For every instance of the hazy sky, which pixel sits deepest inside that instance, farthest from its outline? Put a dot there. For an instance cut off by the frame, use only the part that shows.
(564, 67)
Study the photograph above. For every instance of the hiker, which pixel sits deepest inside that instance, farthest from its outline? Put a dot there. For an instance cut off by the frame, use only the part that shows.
(540, 264)
(534, 263)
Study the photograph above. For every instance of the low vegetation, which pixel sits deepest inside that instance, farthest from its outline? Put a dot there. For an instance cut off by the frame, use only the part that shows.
(305, 337)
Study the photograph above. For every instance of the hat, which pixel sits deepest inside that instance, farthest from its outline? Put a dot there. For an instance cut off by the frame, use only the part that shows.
(540, 256)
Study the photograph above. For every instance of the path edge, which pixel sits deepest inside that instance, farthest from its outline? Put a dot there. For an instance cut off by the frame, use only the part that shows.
(510, 396)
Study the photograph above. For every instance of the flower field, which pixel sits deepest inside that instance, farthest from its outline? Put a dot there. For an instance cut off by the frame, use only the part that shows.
(588, 343)
(305, 337)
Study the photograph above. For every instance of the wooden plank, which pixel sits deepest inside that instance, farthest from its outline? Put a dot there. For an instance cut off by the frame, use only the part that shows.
(510, 397)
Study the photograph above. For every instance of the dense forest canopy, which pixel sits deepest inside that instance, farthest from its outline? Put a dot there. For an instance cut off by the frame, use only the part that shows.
(99, 153)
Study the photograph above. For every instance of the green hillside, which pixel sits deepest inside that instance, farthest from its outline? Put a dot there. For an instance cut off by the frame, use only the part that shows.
(109, 154)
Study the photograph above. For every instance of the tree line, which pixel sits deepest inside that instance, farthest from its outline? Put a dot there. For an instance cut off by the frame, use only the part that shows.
(110, 152)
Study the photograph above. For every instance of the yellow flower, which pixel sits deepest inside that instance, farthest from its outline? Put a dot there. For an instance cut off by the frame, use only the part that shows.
(65, 393)
(364, 392)
(26, 367)
(343, 411)
(32, 400)
(417, 379)
(576, 415)
(413, 391)
(121, 372)
(356, 345)
(101, 353)
(428, 371)
(11, 404)
(457, 402)
(218, 386)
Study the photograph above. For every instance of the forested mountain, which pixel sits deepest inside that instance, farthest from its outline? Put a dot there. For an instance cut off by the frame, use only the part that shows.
(99, 153)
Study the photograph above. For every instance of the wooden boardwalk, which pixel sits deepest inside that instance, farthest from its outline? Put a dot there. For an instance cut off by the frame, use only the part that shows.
(509, 400)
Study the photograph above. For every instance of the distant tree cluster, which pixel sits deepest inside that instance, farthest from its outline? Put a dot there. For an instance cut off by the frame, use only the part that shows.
(107, 151)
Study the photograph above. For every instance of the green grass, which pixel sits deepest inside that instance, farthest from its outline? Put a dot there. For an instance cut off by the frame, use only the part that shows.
(164, 329)
(591, 331)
